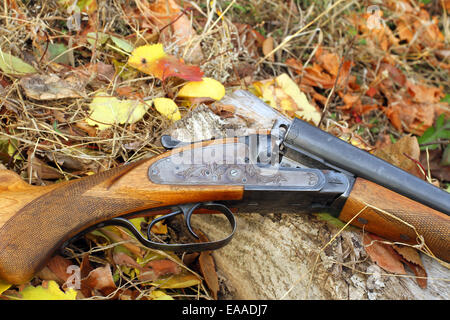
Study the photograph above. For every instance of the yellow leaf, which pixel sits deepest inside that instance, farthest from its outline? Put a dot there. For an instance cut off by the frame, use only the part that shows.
(107, 111)
(51, 292)
(178, 281)
(159, 295)
(159, 227)
(150, 53)
(207, 88)
(167, 107)
(266, 92)
(152, 60)
(306, 111)
(4, 286)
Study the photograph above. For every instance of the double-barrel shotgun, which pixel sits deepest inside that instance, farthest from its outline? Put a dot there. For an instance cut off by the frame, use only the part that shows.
(295, 167)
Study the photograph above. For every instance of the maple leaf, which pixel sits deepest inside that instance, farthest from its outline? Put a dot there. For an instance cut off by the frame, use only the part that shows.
(152, 60)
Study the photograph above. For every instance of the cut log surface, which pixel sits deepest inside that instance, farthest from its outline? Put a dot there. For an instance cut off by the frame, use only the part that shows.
(282, 257)
(274, 257)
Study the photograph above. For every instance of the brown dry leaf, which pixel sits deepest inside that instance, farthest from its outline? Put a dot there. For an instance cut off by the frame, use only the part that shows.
(165, 12)
(90, 130)
(223, 110)
(395, 154)
(433, 162)
(413, 106)
(51, 87)
(100, 279)
(163, 267)
(324, 70)
(96, 74)
(267, 48)
(40, 170)
(383, 254)
(353, 102)
(60, 266)
(208, 270)
(249, 38)
(208, 267)
(412, 258)
(122, 259)
(379, 39)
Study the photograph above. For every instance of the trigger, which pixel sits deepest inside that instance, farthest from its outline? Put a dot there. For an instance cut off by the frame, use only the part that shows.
(188, 210)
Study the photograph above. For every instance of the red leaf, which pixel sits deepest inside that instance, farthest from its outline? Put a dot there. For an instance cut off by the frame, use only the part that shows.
(383, 254)
(371, 92)
(170, 66)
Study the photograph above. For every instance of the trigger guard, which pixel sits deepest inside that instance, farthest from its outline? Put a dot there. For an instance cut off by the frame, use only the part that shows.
(188, 210)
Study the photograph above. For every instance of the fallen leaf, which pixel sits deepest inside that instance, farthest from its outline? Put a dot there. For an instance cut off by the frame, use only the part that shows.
(176, 28)
(179, 281)
(50, 87)
(48, 291)
(412, 258)
(159, 295)
(100, 279)
(168, 108)
(13, 65)
(283, 94)
(208, 267)
(122, 44)
(163, 267)
(152, 60)
(267, 48)
(60, 266)
(97, 38)
(304, 109)
(395, 154)
(206, 88)
(107, 111)
(58, 52)
(433, 162)
(247, 37)
(39, 169)
(383, 254)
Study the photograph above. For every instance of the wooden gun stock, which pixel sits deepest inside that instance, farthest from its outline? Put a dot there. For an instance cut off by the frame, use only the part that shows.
(35, 221)
(397, 218)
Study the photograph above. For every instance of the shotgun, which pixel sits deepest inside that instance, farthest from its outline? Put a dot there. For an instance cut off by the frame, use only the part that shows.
(295, 167)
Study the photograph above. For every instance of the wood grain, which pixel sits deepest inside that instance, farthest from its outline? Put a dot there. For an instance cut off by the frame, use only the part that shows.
(397, 218)
(36, 220)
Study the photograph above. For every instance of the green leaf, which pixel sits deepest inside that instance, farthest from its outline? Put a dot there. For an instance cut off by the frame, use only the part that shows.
(330, 219)
(97, 37)
(446, 98)
(122, 44)
(58, 53)
(13, 65)
(441, 130)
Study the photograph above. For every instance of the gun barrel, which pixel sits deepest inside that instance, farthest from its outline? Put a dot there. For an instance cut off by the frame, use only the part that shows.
(303, 136)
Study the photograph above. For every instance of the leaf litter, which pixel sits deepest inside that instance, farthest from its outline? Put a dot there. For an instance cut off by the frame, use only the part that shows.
(78, 101)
